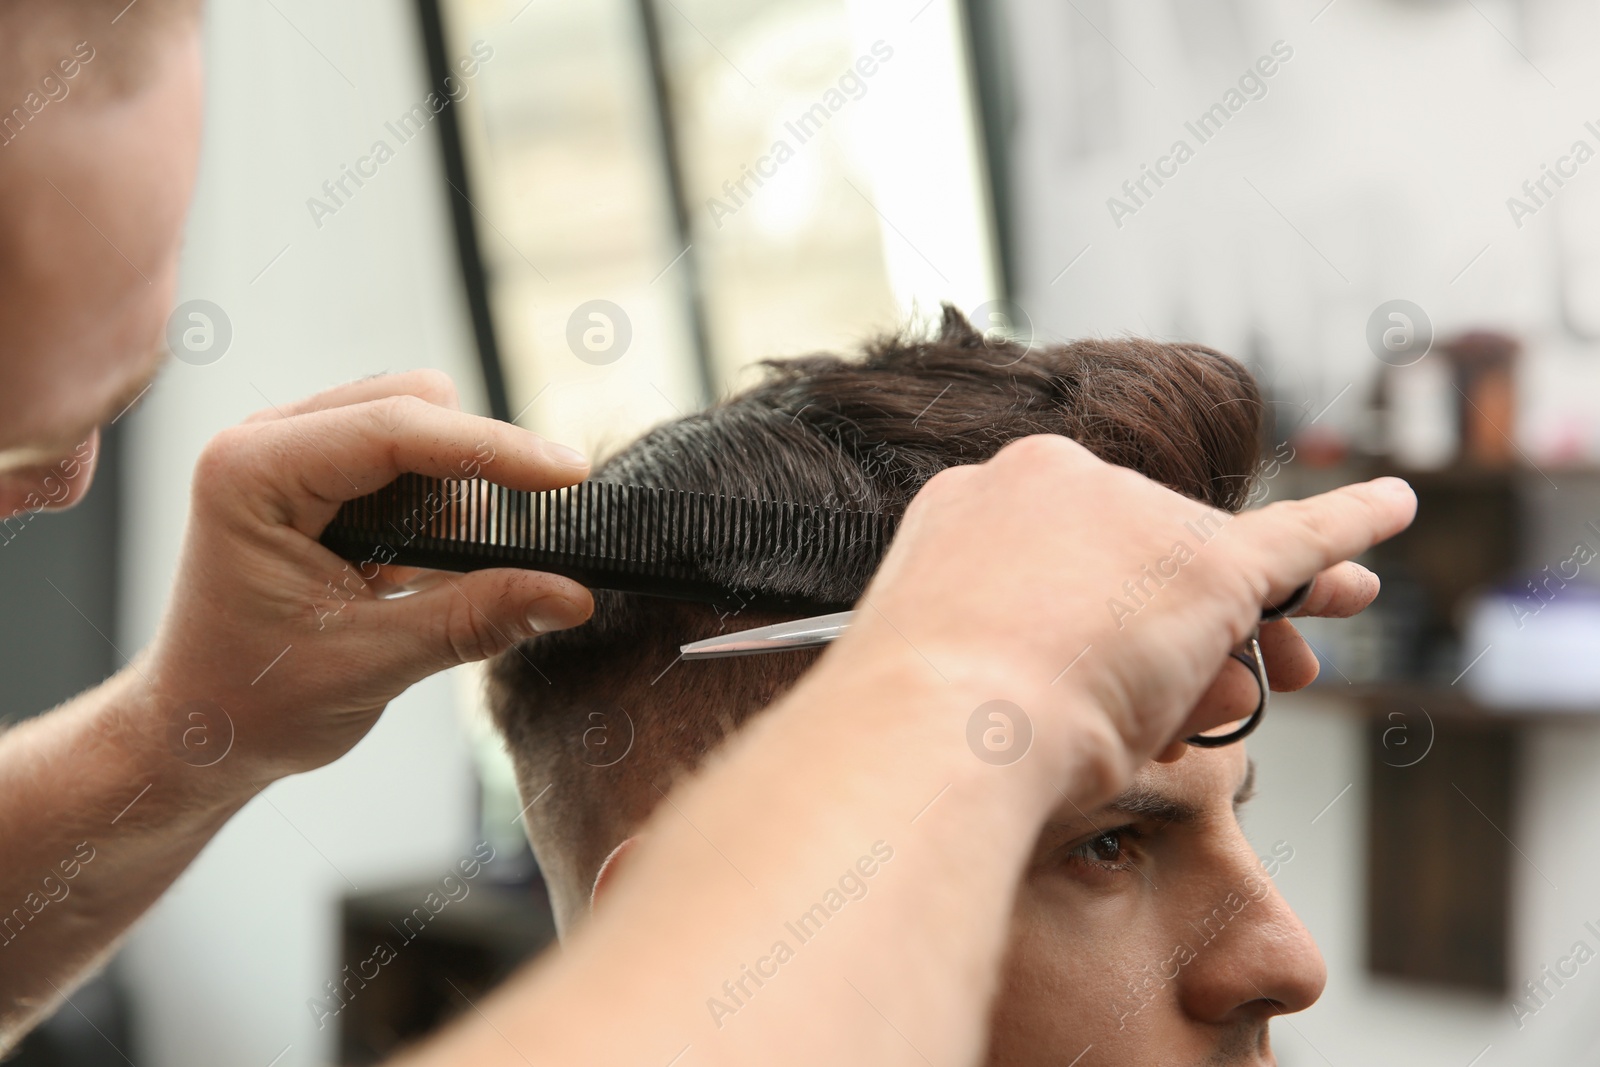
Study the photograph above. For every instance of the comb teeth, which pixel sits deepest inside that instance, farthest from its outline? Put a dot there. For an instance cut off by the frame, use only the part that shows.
(636, 539)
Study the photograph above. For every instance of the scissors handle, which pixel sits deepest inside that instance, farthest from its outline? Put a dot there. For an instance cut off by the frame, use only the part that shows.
(1296, 601)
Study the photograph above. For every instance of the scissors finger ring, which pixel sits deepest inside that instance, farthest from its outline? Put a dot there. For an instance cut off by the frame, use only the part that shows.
(1257, 665)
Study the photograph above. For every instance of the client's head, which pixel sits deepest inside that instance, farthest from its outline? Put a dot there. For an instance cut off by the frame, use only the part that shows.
(1148, 928)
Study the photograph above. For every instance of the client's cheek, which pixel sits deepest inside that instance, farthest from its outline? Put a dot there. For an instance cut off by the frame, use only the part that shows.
(1078, 976)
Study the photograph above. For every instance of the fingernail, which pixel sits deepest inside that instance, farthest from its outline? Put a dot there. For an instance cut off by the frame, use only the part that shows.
(565, 455)
(1392, 485)
(553, 613)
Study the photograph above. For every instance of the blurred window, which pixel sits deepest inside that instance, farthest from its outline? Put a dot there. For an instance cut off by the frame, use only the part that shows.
(733, 179)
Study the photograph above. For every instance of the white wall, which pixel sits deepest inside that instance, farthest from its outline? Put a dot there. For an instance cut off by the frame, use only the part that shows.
(1381, 159)
(222, 969)
(1377, 166)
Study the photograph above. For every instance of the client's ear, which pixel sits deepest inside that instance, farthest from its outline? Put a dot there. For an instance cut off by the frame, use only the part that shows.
(607, 875)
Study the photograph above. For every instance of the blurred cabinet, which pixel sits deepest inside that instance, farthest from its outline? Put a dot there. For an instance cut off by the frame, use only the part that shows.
(1442, 772)
(407, 970)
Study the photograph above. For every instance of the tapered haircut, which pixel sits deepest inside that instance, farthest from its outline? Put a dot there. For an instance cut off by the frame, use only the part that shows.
(863, 432)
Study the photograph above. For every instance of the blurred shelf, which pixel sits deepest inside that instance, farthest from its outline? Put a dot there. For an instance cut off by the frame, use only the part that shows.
(1381, 698)
(1471, 529)
(1455, 476)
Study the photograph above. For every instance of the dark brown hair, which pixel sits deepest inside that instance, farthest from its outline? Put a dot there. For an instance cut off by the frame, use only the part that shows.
(867, 433)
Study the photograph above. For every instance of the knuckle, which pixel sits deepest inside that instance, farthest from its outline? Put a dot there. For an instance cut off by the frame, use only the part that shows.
(223, 455)
(470, 634)
(399, 404)
(1043, 449)
(391, 411)
(436, 386)
(950, 479)
(1125, 478)
(944, 486)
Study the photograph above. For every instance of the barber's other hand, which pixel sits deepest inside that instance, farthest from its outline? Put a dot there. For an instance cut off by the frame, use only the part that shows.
(298, 648)
(1007, 577)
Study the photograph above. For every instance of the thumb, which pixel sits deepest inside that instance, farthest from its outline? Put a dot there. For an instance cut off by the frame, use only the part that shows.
(463, 618)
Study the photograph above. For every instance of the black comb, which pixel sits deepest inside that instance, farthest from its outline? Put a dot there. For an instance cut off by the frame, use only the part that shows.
(720, 550)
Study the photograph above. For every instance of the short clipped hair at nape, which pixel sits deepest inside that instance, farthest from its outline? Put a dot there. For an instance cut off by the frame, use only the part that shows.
(865, 433)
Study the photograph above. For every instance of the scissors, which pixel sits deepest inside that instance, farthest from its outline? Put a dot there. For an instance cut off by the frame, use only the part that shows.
(820, 630)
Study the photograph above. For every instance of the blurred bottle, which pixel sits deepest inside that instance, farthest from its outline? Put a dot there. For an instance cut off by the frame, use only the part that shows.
(1422, 420)
(1457, 403)
(1485, 365)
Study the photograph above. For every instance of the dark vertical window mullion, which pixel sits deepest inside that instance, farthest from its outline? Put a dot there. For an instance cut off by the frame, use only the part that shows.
(474, 273)
(672, 165)
(989, 75)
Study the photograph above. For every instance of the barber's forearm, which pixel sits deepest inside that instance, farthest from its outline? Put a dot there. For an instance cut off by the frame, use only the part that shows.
(97, 817)
(865, 760)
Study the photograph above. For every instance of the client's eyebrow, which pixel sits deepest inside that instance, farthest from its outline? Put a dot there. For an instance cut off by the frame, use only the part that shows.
(1148, 804)
(1160, 807)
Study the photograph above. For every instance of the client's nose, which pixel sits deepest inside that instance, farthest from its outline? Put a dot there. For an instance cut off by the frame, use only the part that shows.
(1256, 959)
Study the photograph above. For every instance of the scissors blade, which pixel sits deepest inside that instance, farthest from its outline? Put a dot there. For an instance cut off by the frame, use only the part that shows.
(821, 629)
(779, 637)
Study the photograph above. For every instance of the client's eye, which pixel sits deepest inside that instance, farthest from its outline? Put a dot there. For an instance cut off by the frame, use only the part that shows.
(1107, 850)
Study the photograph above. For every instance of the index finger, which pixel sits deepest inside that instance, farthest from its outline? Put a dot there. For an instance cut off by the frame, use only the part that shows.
(309, 464)
(1293, 540)
(431, 385)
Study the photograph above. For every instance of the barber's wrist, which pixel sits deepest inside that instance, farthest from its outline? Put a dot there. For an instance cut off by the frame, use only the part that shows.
(970, 724)
(1050, 730)
(179, 748)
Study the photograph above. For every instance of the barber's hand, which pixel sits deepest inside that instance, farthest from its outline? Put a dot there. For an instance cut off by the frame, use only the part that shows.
(1007, 575)
(1342, 590)
(297, 649)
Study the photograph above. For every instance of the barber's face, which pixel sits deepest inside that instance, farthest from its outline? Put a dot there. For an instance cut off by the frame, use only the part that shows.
(1148, 933)
(96, 188)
